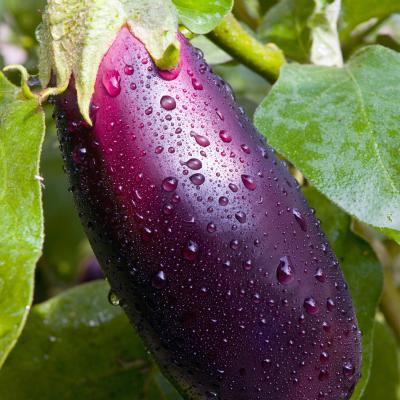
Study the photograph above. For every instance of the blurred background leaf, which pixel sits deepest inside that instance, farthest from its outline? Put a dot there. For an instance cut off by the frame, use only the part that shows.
(285, 24)
(384, 379)
(355, 12)
(66, 246)
(77, 346)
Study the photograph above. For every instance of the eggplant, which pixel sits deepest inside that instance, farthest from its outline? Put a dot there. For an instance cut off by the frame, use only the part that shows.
(204, 236)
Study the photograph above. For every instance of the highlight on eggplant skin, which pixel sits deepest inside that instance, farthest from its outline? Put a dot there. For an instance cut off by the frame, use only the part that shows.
(204, 235)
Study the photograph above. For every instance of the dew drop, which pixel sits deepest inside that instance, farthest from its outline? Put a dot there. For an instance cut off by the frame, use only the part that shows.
(168, 209)
(113, 299)
(197, 179)
(139, 177)
(319, 275)
(194, 163)
(247, 265)
(169, 184)
(233, 187)
(225, 136)
(326, 327)
(129, 70)
(323, 375)
(196, 84)
(310, 305)
(191, 250)
(168, 103)
(211, 228)
(246, 148)
(159, 149)
(112, 82)
(248, 182)
(348, 369)
(148, 110)
(223, 201)
(234, 244)
(146, 233)
(265, 363)
(176, 198)
(300, 220)
(201, 140)
(324, 357)
(241, 217)
(78, 154)
(284, 272)
(159, 280)
(330, 304)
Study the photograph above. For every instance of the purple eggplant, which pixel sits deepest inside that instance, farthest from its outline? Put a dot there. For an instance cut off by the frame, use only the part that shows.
(204, 235)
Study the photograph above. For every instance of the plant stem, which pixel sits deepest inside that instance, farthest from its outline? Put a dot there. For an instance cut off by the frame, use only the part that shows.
(390, 303)
(265, 59)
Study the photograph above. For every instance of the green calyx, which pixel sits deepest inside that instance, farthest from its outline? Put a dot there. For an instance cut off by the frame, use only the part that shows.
(75, 35)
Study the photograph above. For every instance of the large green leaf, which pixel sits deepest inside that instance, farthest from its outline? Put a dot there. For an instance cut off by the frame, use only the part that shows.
(340, 127)
(385, 373)
(77, 347)
(202, 16)
(21, 222)
(361, 269)
(355, 12)
(286, 24)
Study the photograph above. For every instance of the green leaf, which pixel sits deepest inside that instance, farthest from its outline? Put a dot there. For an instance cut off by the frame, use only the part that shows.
(361, 269)
(75, 35)
(341, 129)
(202, 16)
(354, 12)
(385, 373)
(21, 222)
(77, 346)
(285, 24)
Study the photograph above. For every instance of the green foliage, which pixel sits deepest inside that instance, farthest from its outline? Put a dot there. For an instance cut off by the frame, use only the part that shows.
(201, 16)
(286, 25)
(361, 269)
(328, 122)
(66, 244)
(384, 380)
(77, 346)
(21, 222)
(356, 12)
(287, 22)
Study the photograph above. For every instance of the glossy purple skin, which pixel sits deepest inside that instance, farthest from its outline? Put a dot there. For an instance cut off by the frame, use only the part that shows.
(227, 276)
